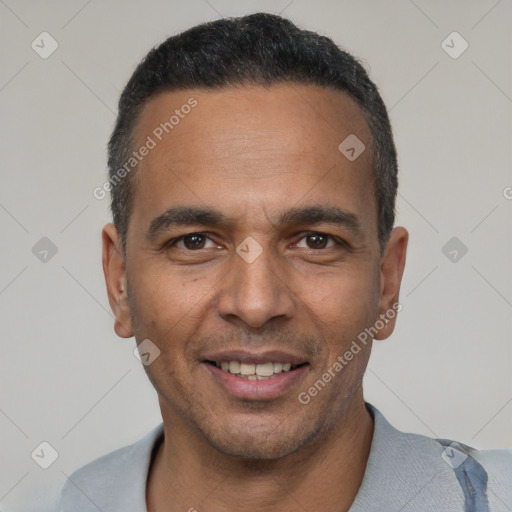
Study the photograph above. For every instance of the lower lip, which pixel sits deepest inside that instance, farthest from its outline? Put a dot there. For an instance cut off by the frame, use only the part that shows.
(257, 389)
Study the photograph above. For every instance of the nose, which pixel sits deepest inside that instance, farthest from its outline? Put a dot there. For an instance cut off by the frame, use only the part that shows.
(255, 292)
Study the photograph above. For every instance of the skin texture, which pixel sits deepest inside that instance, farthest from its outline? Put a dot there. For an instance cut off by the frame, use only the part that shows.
(252, 153)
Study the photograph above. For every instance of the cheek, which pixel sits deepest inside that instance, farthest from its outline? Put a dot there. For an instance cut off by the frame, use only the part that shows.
(164, 304)
(342, 305)
(168, 310)
(343, 301)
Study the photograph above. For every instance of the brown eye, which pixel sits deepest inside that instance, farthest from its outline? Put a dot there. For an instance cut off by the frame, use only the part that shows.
(317, 241)
(192, 241)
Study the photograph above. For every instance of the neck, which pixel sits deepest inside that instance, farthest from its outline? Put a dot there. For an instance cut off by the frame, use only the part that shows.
(325, 475)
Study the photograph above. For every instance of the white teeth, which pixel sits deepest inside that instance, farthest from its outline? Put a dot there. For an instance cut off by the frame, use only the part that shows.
(234, 366)
(278, 367)
(247, 368)
(251, 371)
(265, 369)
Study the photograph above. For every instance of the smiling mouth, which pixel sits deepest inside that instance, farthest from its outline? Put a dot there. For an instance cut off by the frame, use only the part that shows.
(252, 371)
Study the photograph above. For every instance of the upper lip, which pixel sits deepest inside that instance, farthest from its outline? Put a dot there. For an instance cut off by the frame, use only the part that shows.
(244, 356)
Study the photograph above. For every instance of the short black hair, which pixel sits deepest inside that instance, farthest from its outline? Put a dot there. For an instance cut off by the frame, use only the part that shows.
(258, 49)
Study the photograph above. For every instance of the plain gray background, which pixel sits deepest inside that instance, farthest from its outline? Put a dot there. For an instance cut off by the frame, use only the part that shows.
(68, 380)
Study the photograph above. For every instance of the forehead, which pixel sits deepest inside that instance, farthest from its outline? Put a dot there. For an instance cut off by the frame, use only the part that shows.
(252, 148)
(313, 118)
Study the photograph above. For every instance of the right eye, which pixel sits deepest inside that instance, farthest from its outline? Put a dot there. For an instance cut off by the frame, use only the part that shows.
(192, 242)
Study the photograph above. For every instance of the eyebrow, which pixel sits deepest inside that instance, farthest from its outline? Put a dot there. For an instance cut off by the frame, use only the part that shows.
(210, 217)
(321, 215)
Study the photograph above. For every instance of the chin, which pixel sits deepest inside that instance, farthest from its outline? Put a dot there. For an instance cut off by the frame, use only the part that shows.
(259, 442)
(252, 449)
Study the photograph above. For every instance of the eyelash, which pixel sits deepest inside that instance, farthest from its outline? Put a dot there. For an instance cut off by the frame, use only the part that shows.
(338, 241)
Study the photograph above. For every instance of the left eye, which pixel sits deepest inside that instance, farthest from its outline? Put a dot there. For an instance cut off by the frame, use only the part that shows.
(316, 241)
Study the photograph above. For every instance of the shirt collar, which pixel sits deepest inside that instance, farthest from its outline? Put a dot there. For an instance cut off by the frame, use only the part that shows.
(399, 471)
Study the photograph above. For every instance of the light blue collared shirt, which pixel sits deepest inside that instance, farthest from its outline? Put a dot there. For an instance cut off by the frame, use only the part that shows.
(404, 473)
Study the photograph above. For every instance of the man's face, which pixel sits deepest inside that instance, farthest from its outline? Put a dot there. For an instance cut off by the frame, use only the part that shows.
(253, 241)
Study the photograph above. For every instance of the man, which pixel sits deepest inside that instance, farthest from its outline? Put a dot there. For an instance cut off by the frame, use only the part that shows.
(253, 256)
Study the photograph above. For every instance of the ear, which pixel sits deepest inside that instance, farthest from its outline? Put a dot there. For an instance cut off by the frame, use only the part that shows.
(391, 271)
(115, 279)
